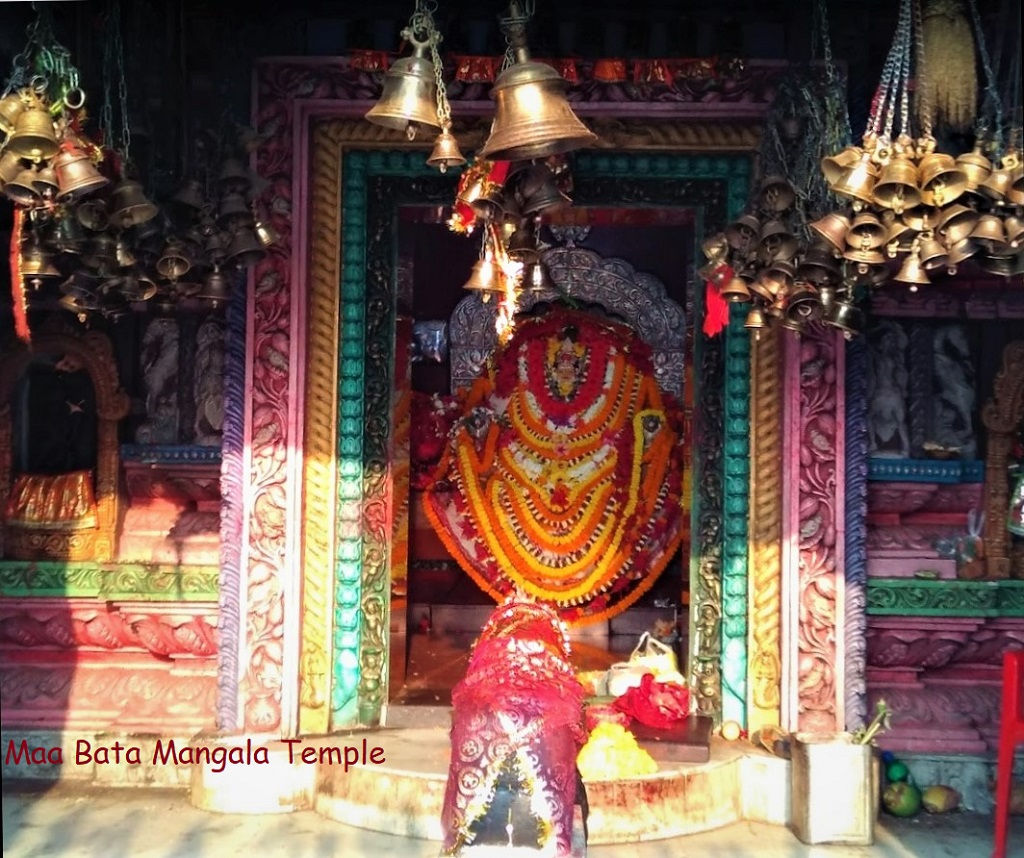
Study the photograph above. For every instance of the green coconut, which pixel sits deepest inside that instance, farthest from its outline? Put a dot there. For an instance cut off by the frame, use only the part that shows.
(896, 772)
(902, 799)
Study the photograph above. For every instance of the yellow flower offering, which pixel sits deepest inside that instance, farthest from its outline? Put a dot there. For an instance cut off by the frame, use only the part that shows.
(612, 753)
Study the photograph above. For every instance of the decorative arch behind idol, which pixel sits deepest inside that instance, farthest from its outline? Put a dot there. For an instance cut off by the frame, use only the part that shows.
(562, 473)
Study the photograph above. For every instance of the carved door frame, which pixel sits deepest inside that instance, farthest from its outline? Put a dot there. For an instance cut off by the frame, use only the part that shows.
(310, 654)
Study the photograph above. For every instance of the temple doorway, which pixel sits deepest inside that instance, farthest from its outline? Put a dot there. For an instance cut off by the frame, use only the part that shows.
(437, 609)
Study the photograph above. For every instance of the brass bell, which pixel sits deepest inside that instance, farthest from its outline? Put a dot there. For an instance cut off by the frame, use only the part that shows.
(496, 205)
(778, 278)
(522, 245)
(46, 183)
(975, 166)
(1003, 265)
(537, 277)
(834, 165)
(864, 259)
(12, 106)
(409, 98)
(22, 189)
(10, 166)
(265, 232)
(214, 290)
(736, 291)
(34, 137)
(69, 236)
(912, 272)
(216, 248)
(957, 223)
(857, 182)
(756, 321)
(190, 195)
(174, 262)
(79, 300)
(538, 191)
(92, 214)
(132, 287)
(77, 176)
(931, 253)
(845, 315)
(942, 181)
(233, 177)
(1014, 226)
(245, 249)
(446, 152)
(743, 234)
(233, 210)
(960, 252)
(532, 117)
(762, 286)
(793, 323)
(922, 218)
(997, 186)
(896, 188)
(36, 265)
(990, 233)
(102, 252)
(833, 228)
(129, 206)
(898, 237)
(777, 194)
(1016, 193)
(802, 301)
(777, 242)
(866, 232)
(484, 278)
(819, 267)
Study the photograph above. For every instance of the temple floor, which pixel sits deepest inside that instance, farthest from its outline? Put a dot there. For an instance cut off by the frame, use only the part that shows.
(73, 823)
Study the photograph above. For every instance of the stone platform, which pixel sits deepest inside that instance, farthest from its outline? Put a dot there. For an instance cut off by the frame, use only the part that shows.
(403, 793)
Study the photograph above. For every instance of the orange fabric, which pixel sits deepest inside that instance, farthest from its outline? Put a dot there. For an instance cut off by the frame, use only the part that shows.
(52, 502)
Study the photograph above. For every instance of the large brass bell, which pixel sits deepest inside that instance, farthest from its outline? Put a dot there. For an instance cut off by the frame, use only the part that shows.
(777, 194)
(777, 242)
(1003, 265)
(912, 272)
(12, 106)
(92, 214)
(174, 262)
(34, 137)
(1014, 226)
(898, 237)
(743, 234)
(46, 183)
(842, 313)
(446, 152)
(233, 177)
(101, 253)
(819, 267)
(735, 291)
(960, 252)
(990, 234)
(539, 192)
(942, 181)
(896, 188)
(957, 223)
(833, 228)
(778, 278)
(932, 254)
(214, 290)
(245, 249)
(975, 166)
(532, 117)
(190, 195)
(485, 279)
(22, 189)
(864, 259)
(76, 174)
(537, 277)
(866, 232)
(857, 182)
(408, 101)
(129, 206)
(998, 185)
(922, 218)
(233, 210)
(36, 265)
(833, 165)
(10, 166)
(69, 236)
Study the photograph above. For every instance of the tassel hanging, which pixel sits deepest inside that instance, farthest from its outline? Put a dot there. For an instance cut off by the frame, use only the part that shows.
(716, 308)
(19, 298)
(950, 80)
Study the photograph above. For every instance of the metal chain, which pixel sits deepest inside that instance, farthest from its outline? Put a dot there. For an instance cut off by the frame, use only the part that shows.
(422, 21)
(45, 66)
(122, 83)
(991, 92)
(924, 95)
(513, 26)
(902, 66)
(882, 93)
(107, 109)
(905, 72)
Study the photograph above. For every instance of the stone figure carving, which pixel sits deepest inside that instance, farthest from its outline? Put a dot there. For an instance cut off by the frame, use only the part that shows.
(889, 436)
(159, 360)
(208, 387)
(953, 407)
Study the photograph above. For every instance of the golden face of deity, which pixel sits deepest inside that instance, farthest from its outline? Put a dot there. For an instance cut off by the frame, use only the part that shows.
(565, 365)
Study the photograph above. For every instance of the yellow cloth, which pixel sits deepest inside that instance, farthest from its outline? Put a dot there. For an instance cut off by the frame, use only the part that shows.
(52, 501)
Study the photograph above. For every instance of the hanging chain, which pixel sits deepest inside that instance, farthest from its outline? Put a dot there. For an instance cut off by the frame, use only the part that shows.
(924, 94)
(995, 103)
(901, 67)
(878, 103)
(113, 70)
(905, 72)
(122, 84)
(45, 66)
(423, 19)
(107, 108)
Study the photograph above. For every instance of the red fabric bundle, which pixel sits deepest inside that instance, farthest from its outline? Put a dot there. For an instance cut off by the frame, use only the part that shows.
(656, 704)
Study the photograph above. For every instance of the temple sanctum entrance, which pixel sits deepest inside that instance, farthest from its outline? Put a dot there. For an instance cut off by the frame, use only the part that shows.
(442, 333)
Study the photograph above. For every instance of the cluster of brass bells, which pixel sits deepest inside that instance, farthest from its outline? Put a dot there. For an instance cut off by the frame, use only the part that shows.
(789, 282)
(511, 215)
(938, 210)
(532, 116)
(117, 250)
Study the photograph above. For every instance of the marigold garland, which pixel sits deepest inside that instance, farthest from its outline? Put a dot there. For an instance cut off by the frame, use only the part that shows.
(563, 476)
